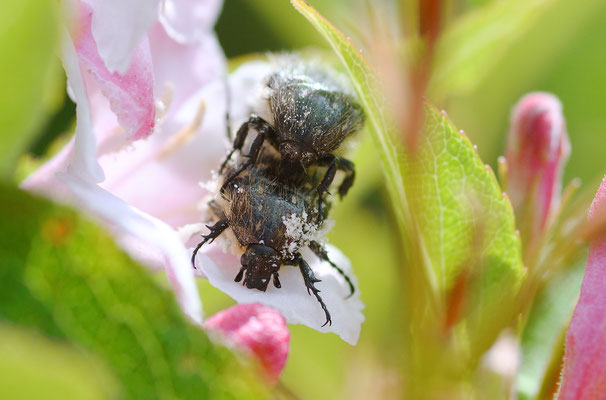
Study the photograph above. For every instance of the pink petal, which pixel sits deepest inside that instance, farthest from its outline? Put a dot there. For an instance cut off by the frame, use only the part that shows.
(146, 238)
(89, 103)
(130, 94)
(176, 171)
(127, 222)
(161, 176)
(189, 21)
(82, 162)
(584, 372)
(119, 26)
(256, 328)
(185, 68)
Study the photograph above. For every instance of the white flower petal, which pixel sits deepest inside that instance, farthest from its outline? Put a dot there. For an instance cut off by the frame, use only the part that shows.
(188, 21)
(247, 92)
(84, 162)
(184, 68)
(119, 26)
(44, 181)
(126, 220)
(160, 175)
(142, 251)
(175, 166)
(292, 299)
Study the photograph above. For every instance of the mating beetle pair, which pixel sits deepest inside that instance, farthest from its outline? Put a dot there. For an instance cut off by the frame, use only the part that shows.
(283, 172)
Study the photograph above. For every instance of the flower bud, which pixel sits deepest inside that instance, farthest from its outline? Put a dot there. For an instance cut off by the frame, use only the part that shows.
(537, 149)
(257, 329)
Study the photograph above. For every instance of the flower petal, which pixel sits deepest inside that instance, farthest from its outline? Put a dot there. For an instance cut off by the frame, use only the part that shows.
(44, 180)
(126, 221)
(83, 163)
(584, 371)
(256, 328)
(181, 153)
(119, 26)
(161, 175)
(184, 68)
(188, 21)
(130, 93)
(292, 299)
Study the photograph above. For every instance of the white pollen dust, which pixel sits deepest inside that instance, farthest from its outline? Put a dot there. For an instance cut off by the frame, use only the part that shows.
(301, 232)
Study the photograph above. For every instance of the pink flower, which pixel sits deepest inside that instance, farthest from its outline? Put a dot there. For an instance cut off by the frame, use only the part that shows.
(584, 371)
(130, 94)
(149, 82)
(257, 329)
(120, 59)
(537, 149)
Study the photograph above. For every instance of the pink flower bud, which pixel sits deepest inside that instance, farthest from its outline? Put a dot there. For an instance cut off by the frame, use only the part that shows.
(537, 149)
(258, 329)
(584, 371)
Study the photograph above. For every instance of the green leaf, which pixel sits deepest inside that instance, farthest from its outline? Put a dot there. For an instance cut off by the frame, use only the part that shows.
(450, 207)
(65, 277)
(34, 367)
(29, 35)
(467, 227)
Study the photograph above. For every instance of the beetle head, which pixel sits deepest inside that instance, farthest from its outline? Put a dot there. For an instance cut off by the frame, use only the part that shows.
(259, 263)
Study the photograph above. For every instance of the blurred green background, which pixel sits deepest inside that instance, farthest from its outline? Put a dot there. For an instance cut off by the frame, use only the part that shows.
(558, 47)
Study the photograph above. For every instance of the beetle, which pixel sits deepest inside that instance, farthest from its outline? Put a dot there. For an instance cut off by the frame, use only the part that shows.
(260, 211)
(310, 116)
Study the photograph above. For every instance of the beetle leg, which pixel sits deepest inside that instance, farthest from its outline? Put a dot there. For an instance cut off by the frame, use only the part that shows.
(255, 148)
(310, 279)
(238, 277)
(348, 167)
(254, 122)
(325, 184)
(238, 143)
(215, 230)
(320, 251)
(334, 163)
(276, 280)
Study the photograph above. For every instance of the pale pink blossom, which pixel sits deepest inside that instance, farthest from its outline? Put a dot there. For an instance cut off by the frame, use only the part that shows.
(257, 329)
(114, 75)
(537, 149)
(130, 94)
(584, 371)
(150, 193)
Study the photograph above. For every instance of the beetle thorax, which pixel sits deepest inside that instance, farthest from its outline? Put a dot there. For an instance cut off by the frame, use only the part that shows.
(298, 152)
